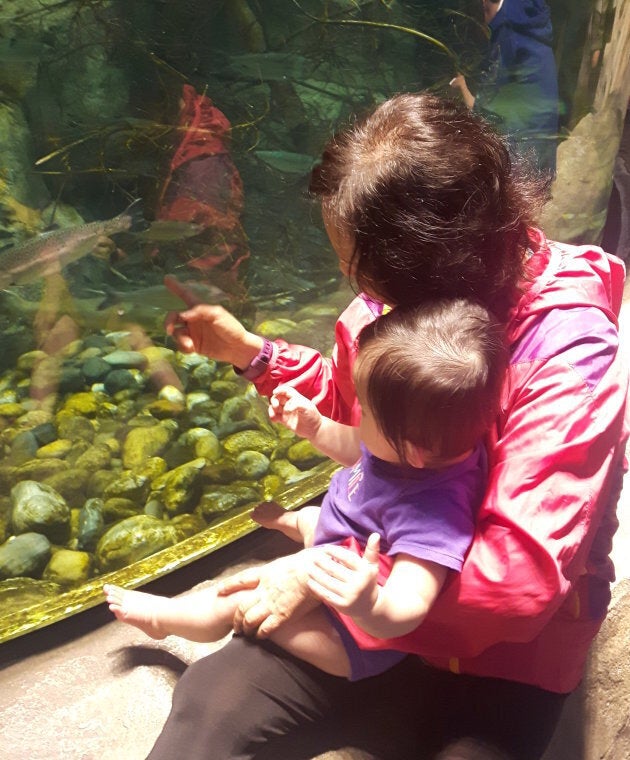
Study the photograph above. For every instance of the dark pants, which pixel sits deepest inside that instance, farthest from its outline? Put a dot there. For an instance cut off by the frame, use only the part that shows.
(245, 701)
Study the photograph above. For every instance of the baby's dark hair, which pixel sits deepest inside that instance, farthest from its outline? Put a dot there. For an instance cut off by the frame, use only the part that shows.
(433, 201)
(433, 375)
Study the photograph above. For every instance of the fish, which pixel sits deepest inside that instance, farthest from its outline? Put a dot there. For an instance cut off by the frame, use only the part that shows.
(48, 252)
(159, 297)
(286, 161)
(167, 230)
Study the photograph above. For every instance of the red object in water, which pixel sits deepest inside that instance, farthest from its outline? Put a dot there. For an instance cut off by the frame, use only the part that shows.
(204, 186)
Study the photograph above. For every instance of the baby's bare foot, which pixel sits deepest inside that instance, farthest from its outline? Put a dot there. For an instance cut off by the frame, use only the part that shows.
(138, 609)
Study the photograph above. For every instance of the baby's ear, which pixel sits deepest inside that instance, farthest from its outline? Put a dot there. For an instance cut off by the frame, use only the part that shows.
(415, 455)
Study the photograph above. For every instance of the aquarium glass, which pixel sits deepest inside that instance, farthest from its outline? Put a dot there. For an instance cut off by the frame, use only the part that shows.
(152, 141)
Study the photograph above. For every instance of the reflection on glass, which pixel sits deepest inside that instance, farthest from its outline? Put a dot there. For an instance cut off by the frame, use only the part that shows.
(517, 84)
(148, 139)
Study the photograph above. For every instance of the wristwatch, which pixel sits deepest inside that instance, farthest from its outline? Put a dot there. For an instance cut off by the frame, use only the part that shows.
(259, 363)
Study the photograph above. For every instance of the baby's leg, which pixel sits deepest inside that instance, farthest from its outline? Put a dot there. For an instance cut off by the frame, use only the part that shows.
(199, 616)
(314, 639)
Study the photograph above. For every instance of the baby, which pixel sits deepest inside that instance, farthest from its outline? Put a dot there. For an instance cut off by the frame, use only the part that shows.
(399, 518)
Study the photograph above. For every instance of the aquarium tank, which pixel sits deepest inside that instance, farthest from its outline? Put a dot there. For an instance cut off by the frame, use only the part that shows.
(150, 142)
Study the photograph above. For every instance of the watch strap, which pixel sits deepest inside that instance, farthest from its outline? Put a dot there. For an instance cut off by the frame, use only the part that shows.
(259, 363)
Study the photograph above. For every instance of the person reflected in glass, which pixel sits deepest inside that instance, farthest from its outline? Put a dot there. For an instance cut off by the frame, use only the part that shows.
(428, 381)
(422, 200)
(518, 85)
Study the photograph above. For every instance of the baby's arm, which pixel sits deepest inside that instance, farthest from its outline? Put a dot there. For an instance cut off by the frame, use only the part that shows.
(298, 525)
(299, 414)
(348, 583)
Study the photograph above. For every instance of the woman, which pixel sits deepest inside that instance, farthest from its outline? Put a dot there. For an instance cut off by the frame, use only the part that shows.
(420, 200)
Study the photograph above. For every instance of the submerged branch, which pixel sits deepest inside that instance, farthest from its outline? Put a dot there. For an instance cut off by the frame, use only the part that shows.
(384, 25)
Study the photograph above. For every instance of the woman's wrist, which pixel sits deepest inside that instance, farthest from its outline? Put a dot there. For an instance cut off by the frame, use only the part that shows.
(254, 347)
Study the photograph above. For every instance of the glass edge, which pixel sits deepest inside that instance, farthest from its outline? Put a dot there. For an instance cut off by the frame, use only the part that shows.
(161, 563)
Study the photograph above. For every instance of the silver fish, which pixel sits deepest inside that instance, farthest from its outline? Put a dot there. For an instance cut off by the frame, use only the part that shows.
(160, 298)
(167, 231)
(48, 252)
(285, 161)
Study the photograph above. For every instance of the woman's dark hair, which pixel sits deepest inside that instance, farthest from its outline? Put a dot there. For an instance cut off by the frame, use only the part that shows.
(433, 202)
(433, 375)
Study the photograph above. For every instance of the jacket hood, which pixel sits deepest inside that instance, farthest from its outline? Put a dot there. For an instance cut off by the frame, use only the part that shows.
(528, 17)
(568, 276)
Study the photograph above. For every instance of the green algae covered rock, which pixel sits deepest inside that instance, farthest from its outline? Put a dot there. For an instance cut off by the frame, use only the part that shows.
(68, 568)
(179, 490)
(38, 508)
(250, 440)
(252, 465)
(131, 540)
(142, 443)
(224, 498)
(304, 455)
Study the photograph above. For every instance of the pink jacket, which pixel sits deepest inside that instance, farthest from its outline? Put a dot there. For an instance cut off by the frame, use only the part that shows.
(534, 588)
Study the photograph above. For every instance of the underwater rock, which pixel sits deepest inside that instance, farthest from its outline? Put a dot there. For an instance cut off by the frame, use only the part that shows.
(11, 410)
(95, 369)
(223, 390)
(203, 374)
(131, 540)
(120, 380)
(126, 360)
(73, 426)
(272, 485)
(304, 455)
(287, 471)
(225, 498)
(97, 457)
(143, 443)
(152, 468)
(39, 469)
(68, 568)
(91, 524)
(194, 398)
(118, 508)
(250, 440)
(164, 409)
(127, 485)
(23, 447)
(24, 555)
(188, 525)
(179, 490)
(38, 508)
(173, 395)
(275, 328)
(55, 450)
(208, 447)
(252, 465)
(70, 484)
(85, 404)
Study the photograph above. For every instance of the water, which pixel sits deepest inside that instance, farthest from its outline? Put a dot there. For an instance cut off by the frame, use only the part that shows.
(212, 113)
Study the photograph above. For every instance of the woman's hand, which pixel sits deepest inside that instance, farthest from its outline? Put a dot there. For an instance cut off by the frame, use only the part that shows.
(209, 329)
(281, 593)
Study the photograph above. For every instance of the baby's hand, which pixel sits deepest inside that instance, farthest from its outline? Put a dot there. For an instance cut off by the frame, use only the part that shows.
(295, 411)
(345, 581)
(268, 514)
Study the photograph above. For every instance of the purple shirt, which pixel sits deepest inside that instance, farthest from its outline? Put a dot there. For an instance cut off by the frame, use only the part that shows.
(428, 514)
